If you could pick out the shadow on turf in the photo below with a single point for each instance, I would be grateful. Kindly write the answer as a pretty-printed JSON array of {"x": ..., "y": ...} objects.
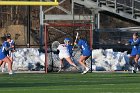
[
  {"x": 64, "y": 81},
  {"x": 10, "y": 85}
]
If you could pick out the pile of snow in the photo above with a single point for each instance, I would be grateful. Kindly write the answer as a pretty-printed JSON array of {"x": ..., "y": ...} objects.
[
  {"x": 109, "y": 60},
  {"x": 102, "y": 60},
  {"x": 27, "y": 58}
]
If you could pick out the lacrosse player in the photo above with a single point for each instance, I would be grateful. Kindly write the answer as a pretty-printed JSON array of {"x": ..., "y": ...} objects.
[
  {"x": 9, "y": 53},
  {"x": 86, "y": 53},
  {"x": 4, "y": 51},
  {"x": 135, "y": 52},
  {"x": 65, "y": 52}
]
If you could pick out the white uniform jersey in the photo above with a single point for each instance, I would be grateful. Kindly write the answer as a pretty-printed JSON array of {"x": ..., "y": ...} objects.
[
  {"x": 63, "y": 51},
  {"x": 11, "y": 44}
]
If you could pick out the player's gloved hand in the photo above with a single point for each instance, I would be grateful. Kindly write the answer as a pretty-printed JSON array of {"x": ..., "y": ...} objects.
[
  {"x": 12, "y": 46},
  {"x": 75, "y": 43},
  {"x": 134, "y": 44},
  {"x": 127, "y": 44},
  {"x": 56, "y": 52},
  {"x": 13, "y": 50}
]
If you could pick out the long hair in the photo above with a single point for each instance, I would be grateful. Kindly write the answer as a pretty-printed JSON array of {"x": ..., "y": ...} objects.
[
  {"x": 3, "y": 38},
  {"x": 81, "y": 37},
  {"x": 136, "y": 34}
]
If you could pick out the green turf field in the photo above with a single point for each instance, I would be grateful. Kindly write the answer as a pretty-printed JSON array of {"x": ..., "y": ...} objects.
[{"x": 70, "y": 83}]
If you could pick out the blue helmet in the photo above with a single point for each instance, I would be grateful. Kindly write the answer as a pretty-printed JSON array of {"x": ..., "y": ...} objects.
[
  {"x": 67, "y": 40},
  {"x": 8, "y": 35}
]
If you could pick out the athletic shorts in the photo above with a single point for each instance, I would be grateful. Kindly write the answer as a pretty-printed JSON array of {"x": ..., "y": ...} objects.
[
  {"x": 135, "y": 52},
  {"x": 61, "y": 56},
  {"x": 86, "y": 53},
  {"x": 2, "y": 55}
]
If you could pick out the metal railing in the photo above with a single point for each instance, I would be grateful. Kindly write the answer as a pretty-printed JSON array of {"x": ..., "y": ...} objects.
[{"x": 129, "y": 6}]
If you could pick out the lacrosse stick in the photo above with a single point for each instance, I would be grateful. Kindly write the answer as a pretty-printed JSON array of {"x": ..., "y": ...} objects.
[{"x": 77, "y": 34}]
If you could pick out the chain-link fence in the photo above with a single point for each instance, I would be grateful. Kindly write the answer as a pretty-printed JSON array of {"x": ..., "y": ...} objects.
[{"x": 113, "y": 38}]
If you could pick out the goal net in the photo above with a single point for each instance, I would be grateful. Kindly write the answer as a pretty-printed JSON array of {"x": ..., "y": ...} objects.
[{"x": 55, "y": 34}]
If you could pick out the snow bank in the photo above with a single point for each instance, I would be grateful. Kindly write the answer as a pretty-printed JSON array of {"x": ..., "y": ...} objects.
[
  {"x": 109, "y": 60},
  {"x": 27, "y": 59},
  {"x": 102, "y": 60}
]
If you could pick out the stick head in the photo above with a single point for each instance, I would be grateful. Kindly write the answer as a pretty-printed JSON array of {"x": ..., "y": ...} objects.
[{"x": 77, "y": 34}]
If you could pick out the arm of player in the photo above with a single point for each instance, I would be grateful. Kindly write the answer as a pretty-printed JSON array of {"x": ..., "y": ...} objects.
[
  {"x": 76, "y": 47},
  {"x": 6, "y": 48}
]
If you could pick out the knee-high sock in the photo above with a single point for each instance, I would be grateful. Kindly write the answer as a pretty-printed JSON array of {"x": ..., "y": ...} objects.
[
  {"x": 132, "y": 64},
  {"x": 136, "y": 66}
]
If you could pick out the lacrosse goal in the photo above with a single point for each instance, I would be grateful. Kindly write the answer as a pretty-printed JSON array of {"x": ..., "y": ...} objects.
[{"x": 57, "y": 32}]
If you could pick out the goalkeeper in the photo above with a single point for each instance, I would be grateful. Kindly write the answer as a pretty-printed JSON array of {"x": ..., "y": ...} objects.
[{"x": 65, "y": 52}]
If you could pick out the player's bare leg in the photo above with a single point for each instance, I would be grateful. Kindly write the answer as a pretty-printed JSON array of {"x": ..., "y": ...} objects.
[
  {"x": 4, "y": 64},
  {"x": 82, "y": 62},
  {"x": 131, "y": 58},
  {"x": 61, "y": 65},
  {"x": 1, "y": 62},
  {"x": 71, "y": 62},
  {"x": 3, "y": 67},
  {"x": 136, "y": 62},
  {"x": 11, "y": 58},
  {"x": 7, "y": 60}
]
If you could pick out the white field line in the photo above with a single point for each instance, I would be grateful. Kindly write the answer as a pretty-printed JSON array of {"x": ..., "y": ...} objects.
[{"x": 54, "y": 89}]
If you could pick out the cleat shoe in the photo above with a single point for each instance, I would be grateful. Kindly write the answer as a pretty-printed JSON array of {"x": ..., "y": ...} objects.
[
  {"x": 137, "y": 69},
  {"x": 3, "y": 70},
  {"x": 87, "y": 69},
  {"x": 11, "y": 73},
  {"x": 84, "y": 72},
  {"x": 59, "y": 70},
  {"x": 133, "y": 71}
]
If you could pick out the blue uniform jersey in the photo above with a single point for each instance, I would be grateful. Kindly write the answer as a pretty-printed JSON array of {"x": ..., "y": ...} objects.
[
  {"x": 135, "y": 46},
  {"x": 70, "y": 49},
  {"x": 3, "y": 51},
  {"x": 85, "y": 47}
]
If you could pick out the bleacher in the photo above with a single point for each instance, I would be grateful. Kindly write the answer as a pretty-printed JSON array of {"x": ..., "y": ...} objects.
[{"x": 129, "y": 9}]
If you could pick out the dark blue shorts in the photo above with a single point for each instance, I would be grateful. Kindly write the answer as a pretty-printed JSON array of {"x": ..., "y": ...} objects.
[
  {"x": 2, "y": 55},
  {"x": 86, "y": 53}
]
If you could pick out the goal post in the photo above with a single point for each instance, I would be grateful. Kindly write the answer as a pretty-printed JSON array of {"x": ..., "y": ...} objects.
[
  {"x": 46, "y": 47},
  {"x": 57, "y": 32},
  {"x": 30, "y": 3}
]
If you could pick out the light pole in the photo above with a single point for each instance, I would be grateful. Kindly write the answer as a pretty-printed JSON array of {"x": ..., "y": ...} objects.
[
  {"x": 28, "y": 25},
  {"x": 41, "y": 26}
]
